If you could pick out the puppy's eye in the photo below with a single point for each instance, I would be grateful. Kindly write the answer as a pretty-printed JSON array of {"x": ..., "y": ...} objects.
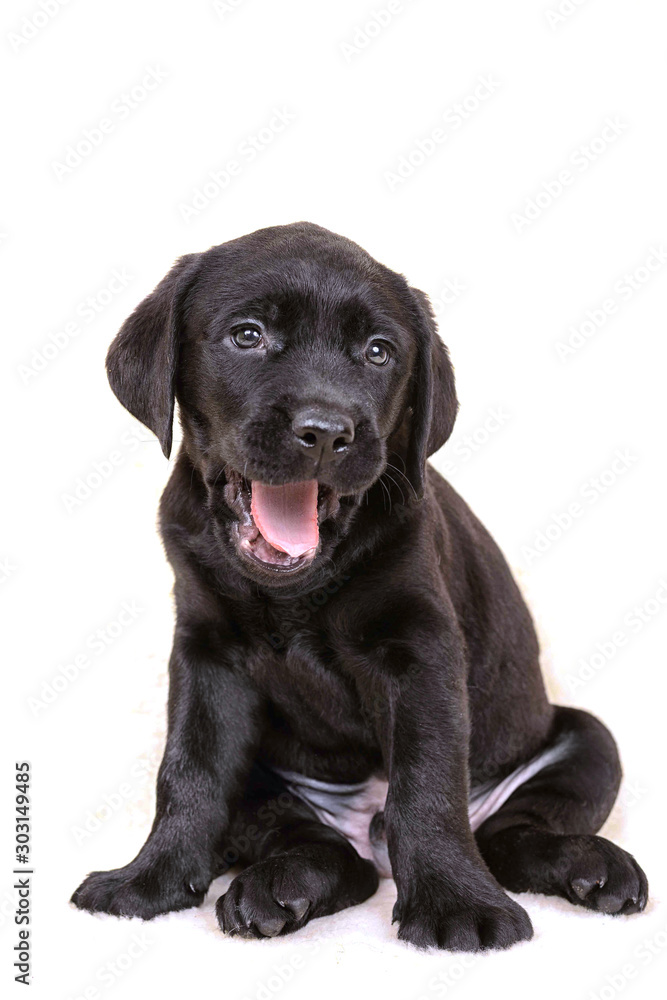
[
  {"x": 378, "y": 352},
  {"x": 247, "y": 336}
]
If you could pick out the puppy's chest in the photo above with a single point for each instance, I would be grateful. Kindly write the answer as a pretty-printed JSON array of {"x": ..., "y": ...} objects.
[{"x": 309, "y": 691}]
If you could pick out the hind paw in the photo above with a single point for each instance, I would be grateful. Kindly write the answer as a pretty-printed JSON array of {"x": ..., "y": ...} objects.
[{"x": 602, "y": 876}]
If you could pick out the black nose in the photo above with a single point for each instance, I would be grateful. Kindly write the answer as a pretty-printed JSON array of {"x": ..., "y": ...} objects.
[{"x": 326, "y": 435}]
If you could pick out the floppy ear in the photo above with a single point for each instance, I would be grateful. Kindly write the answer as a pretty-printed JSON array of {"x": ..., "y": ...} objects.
[
  {"x": 141, "y": 362},
  {"x": 434, "y": 403}
]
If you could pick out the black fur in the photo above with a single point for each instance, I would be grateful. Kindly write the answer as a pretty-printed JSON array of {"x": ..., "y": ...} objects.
[{"x": 402, "y": 648}]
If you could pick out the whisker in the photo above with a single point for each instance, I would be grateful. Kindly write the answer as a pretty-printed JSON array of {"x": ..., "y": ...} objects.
[
  {"x": 399, "y": 457},
  {"x": 218, "y": 475},
  {"x": 396, "y": 485},
  {"x": 386, "y": 490},
  {"x": 390, "y": 466}
]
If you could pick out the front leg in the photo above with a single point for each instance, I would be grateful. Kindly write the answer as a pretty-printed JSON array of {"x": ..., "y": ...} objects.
[
  {"x": 447, "y": 898},
  {"x": 212, "y": 733}
]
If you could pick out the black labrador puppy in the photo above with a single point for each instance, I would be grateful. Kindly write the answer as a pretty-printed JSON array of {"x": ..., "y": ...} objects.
[{"x": 355, "y": 688}]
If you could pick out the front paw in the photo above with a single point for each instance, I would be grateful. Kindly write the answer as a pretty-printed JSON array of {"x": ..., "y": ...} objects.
[
  {"x": 274, "y": 896},
  {"x": 142, "y": 890},
  {"x": 430, "y": 920}
]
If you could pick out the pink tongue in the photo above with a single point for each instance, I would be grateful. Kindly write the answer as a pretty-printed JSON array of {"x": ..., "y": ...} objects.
[{"x": 287, "y": 515}]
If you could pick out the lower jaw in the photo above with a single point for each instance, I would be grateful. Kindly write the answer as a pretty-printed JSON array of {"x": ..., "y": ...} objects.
[{"x": 258, "y": 552}]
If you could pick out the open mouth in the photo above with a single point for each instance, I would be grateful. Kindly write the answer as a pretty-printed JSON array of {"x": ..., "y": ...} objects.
[{"x": 279, "y": 525}]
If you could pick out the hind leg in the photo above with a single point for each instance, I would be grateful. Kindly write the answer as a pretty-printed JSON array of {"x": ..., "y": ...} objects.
[
  {"x": 542, "y": 839},
  {"x": 298, "y": 868}
]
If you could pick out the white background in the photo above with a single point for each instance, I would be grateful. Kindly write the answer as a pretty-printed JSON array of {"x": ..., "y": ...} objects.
[{"x": 359, "y": 104}]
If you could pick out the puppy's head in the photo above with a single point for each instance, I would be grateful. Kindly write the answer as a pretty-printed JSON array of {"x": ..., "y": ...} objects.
[{"x": 302, "y": 369}]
